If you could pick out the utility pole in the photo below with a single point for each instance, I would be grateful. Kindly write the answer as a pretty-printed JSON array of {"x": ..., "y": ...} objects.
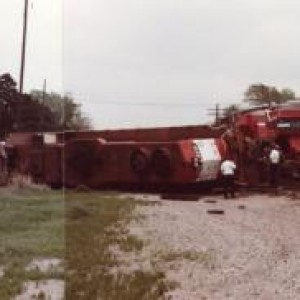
[
  {"x": 43, "y": 102},
  {"x": 44, "y": 90},
  {"x": 23, "y": 47},
  {"x": 217, "y": 114}
]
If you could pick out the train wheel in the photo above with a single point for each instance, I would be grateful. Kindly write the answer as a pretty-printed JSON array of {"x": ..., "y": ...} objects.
[
  {"x": 81, "y": 161},
  {"x": 140, "y": 162},
  {"x": 162, "y": 163}
]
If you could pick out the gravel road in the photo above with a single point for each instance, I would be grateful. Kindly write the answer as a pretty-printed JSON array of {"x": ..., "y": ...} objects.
[{"x": 252, "y": 251}]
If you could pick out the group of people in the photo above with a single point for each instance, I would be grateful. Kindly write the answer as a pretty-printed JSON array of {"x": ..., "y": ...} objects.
[{"x": 228, "y": 170}]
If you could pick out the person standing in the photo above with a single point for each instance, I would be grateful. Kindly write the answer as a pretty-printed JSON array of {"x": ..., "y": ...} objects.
[
  {"x": 274, "y": 170},
  {"x": 228, "y": 169},
  {"x": 3, "y": 155},
  {"x": 3, "y": 163}
]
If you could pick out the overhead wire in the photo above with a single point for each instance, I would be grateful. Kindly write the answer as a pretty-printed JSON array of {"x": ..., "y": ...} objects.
[{"x": 153, "y": 104}]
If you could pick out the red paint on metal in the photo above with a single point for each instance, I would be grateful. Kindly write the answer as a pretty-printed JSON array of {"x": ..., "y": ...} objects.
[{"x": 156, "y": 156}]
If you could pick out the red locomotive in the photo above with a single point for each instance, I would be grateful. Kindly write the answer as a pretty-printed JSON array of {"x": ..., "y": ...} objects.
[
  {"x": 255, "y": 130},
  {"x": 159, "y": 158}
]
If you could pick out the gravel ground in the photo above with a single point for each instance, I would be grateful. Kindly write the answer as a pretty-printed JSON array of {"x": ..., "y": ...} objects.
[{"x": 252, "y": 251}]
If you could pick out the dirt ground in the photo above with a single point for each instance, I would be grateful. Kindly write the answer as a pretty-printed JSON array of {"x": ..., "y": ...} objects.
[{"x": 252, "y": 251}]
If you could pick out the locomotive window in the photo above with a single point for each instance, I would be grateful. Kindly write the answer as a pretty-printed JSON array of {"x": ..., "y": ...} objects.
[{"x": 288, "y": 124}]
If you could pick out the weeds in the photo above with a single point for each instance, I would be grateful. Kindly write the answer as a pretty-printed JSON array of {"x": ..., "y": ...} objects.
[
  {"x": 38, "y": 223},
  {"x": 89, "y": 258},
  {"x": 131, "y": 243}
]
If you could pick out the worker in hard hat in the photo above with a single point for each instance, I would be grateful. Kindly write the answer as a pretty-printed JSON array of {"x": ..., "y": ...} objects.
[{"x": 228, "y": 170}]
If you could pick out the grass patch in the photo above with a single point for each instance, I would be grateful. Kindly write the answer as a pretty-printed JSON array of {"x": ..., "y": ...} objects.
[
  {"x": 94, "y": 222},
  {"x": 131, "y": 243},
  {"x": 78, "y": 227},
  {"x": 31, "y": 225}
]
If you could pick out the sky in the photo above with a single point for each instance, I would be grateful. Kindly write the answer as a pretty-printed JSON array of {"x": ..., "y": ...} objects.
[
  {"x": 146, "y": 63},
  {"x": 44, "y": 51}
]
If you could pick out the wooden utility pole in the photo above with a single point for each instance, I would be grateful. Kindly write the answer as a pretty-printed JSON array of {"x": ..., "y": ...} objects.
[
  {"x": 44, "y": 90},
  {"x": 217, "y": 114},
  {"x": 23, "y": 47}
]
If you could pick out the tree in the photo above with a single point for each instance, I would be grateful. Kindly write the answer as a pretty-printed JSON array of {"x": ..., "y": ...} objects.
[
  {"x": 8, "y": 88},
  {"x": 230, "y": 110},
  {"x": 260, "y": 94},
  {"x": 33, "y": 116},
  {"x": 9, "y": 97},
  {"x": 288, "y": 94},
  {"x": 66, "y": 112},
  {"x": 36, "y": 112}
]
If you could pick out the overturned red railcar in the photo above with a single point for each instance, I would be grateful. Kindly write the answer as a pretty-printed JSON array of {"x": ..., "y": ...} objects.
[
  {"x": 153, "y": 159},
  {"x": 160, "y": 158}
]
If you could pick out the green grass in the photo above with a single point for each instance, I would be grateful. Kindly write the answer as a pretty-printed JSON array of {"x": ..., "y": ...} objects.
[
  {"x": 94, "y": 223},
  {"x": 31, "y": 226},
  {"x": 80, "y": 228},
  {"x": 131, "y": 243}
]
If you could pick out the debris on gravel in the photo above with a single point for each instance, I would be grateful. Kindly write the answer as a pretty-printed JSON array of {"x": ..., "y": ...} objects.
[
  {"x": 210, "y": 201},
  {"x": 216, "y": 211},
  {"x": 241, "y": 207}
]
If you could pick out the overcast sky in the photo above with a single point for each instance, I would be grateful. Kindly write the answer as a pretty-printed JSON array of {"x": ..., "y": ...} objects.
[{"x": 153, "y": 62}]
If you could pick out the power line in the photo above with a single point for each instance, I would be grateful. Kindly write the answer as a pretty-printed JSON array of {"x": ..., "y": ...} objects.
[{"x": 158, "y": 104}]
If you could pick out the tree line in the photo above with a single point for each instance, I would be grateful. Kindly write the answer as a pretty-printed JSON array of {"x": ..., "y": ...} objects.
[
  {"x": 259, "y": 94},
  {"x": 40, "y": 111},
  {"x": 37, "y": 111}
]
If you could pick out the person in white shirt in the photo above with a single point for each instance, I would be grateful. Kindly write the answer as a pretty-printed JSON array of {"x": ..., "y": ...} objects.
[
  {"x": 228, "y": 169},
  {"x": 275, "y": 158},
  {"x": 3, "y": 157},
  {"x": 2, "y": 150}
]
